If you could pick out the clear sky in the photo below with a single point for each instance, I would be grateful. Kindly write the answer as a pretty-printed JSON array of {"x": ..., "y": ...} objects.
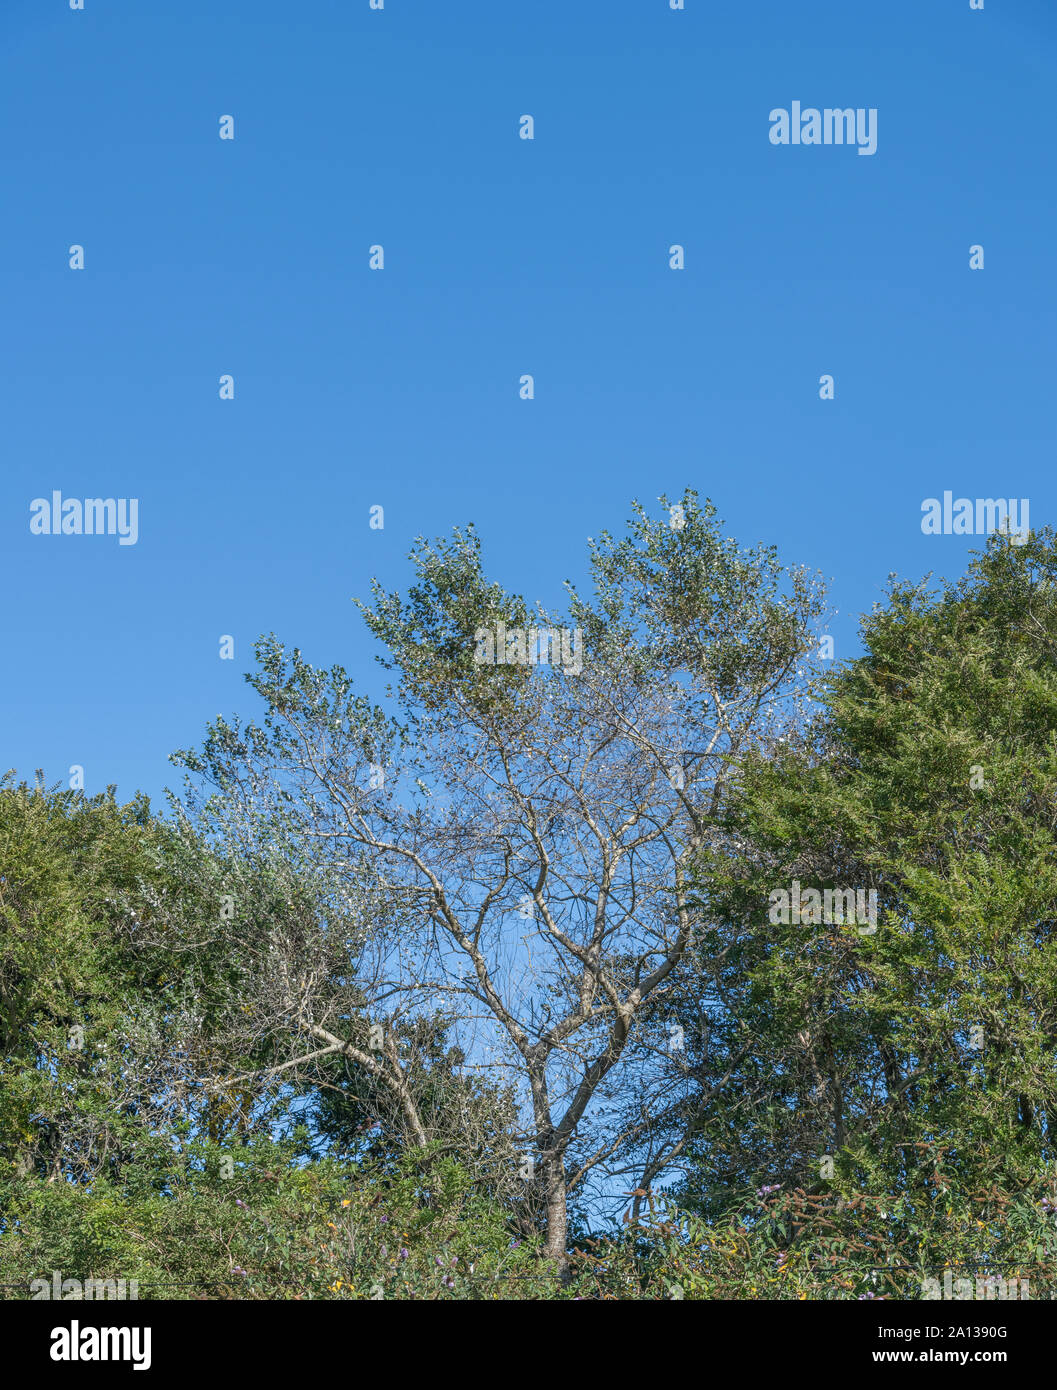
[{"x": 503, "y": 256}]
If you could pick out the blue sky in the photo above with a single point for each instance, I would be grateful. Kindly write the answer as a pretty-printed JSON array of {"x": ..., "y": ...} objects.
[{"x": 399, "y": 388}]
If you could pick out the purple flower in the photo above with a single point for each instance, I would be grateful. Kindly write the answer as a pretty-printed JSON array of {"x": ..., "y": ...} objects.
[
  {"x": 771, "y": 1187},
  {"x": 383, "y": 1219},
  {"x": 440, "y": 1261},
  {"x": 403, "y": 1252},
  {"x": 242, "y": 1204},
  {"x": 239, "y": 1270}
]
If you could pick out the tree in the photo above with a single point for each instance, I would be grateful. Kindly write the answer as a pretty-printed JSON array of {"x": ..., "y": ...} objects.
[
  {"x": 129, "y": 955},
  {"x": 516, "y": 840},
  {"x": 918, "y": 1057},
  {"x": 72, "y": 870}
]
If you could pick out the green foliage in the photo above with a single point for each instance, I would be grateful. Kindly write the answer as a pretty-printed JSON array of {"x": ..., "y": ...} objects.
[
  {"x": 464, "y": 1112},
  {"x": 920, "y": 1059},
  {"x": 678, "y": 598},
  {"x": 429, "y": 636},
  {"x": 70, "y": 902},
  {"x": 787, "y": 1245},
  {"x": 854, "y": 1111},
  {"x": 275, "y": 1228}
]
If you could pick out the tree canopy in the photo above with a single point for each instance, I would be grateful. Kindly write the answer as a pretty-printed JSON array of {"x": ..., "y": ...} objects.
[{"x": 618, "y": 951}]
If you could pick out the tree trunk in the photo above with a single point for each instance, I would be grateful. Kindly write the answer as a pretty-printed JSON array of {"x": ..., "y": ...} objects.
[{"x": 557, "y": 1212}]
